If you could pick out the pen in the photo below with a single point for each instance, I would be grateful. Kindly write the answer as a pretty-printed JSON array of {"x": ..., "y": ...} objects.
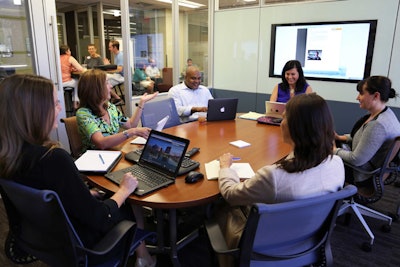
[
  {"x": 234, "y": 159},
  {"x": 101, "y": 158}
]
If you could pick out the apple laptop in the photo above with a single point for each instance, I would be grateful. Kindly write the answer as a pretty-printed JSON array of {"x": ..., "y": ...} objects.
[
  {"x": 222, "y": 109},
  {"x": 273, "y": 113}
]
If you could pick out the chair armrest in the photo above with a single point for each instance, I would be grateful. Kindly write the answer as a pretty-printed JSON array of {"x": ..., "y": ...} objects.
[
  {"x": 217, "y": 239},
  {"x": 358, "y": 169},
  {"x": 111, "y": 239}
]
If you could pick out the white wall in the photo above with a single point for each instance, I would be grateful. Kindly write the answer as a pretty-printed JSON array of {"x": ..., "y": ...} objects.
[{"x": 242, "y": 44}]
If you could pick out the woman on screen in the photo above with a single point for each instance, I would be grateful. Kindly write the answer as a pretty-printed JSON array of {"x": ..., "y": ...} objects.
[
  {"x": 28, "y": 156},
  {"x": 309, "y": 170},
  {"x": 293, "y": 83}
]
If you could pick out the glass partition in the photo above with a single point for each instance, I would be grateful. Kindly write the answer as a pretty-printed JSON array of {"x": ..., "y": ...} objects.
[{"x": 15, "y": 42}]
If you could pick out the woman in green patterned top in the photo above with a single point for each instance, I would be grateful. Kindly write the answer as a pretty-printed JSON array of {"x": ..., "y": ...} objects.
[{"x": 99, "y": 121}]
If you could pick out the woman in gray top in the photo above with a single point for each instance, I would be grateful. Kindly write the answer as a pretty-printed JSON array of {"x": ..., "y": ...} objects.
[{"x": 371, "y": 136}]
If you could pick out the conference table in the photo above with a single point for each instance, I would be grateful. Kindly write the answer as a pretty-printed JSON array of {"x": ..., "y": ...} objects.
[{"x": 213, "y": 139}]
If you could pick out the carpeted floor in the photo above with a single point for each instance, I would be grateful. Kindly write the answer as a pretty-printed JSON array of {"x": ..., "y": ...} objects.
[{"x": 346, "y": 241}]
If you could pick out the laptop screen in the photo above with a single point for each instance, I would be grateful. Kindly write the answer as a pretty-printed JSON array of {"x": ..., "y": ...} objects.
[{"x": 164, "y": 152}]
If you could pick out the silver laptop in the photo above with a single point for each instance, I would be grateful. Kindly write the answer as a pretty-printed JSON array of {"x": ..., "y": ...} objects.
[
  {"x": 158, "y": 164},
  {"x": 273, "y": 113},
  {"x": 222, "y": 109}
]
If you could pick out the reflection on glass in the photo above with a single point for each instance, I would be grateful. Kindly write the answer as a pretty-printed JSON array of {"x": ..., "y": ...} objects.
[
  {"x": 15, "y": 45},
  {"x": 224, "y": 4}
]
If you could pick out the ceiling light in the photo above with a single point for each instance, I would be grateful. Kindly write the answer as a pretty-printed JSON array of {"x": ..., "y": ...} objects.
[{"x": 183, "y": 3}]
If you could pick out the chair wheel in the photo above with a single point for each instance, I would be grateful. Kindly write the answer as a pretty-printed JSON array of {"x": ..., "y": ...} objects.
[
  {"x": 395, "y": 217},
  {"x": 386, "y": 228},
  {"x": 367, "y": 247}
]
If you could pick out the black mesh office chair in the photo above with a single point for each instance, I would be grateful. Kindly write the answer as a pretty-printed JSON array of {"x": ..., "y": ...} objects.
[
  {"x": 40, "y": 229},
  {"x": 356, "y": 204}
]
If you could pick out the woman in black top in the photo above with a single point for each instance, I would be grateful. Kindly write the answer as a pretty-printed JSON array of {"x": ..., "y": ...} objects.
[{"x": 30, "y": 108}]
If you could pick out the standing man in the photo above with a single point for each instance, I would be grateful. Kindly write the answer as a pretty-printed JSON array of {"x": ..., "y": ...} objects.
[
  {"x": 190, "y": 97},
  {"x": 116, "y": 76}
]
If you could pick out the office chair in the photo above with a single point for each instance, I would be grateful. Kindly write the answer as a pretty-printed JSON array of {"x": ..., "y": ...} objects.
[
  {"x": 74, "y": 138},
  {"x": 294, "y": 233},
  {"x": 378, "y": 176},
  {"x": 40, "y": 228},
  {"x": 156, "y": 109}
]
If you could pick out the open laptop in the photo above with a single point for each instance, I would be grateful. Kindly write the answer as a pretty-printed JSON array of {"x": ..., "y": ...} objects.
[
  {"x": 222, "y": 109},
  {"x": 158, "y": 163},
  {"x": 273, "y": 113}
]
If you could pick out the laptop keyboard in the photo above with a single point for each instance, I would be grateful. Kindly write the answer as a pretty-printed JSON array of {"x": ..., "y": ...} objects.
[{"x": 149, "y": 178}]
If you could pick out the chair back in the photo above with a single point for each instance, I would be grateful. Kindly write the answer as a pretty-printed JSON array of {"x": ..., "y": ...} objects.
[
  {"x": 40, "y": 225},
  {"x": 379, "y": 175},
  {"x": 74, "y": 138},
  {"x": 156, "y": 109},
  {"x": 294, "y": 233}
]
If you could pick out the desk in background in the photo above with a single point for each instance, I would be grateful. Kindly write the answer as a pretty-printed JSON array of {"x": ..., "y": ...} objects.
[{"x": 213, "y": 139}]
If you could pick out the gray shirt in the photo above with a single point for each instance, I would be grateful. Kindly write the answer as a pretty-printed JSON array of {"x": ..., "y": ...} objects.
[{"x": 371, "y": 142}]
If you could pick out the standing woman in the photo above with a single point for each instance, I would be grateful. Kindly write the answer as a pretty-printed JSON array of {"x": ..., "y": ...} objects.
[
  {"x": 293, "y": 83},
  {"x": 99, "y": 121},
  {"x": 28, "y": 156},
  {"x": 372, "y": 135}
]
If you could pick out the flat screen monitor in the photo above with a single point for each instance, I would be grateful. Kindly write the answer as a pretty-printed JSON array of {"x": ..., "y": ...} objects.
[{"x": 337, "y": 51}]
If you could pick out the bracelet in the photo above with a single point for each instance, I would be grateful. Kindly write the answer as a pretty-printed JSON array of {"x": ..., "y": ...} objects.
[
  {"x": 139, "y": 106},
  {"x": 126, "y": 134}
]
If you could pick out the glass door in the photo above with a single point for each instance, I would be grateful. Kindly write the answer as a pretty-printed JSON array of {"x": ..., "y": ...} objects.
[{"x": 15, "y": 42}]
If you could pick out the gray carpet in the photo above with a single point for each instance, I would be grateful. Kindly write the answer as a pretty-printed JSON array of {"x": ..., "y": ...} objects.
[{"x": 346, "y": 241}]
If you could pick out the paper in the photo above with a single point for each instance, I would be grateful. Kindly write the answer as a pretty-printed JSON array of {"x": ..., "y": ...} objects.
[
  {"x": 160, "y": 126},
  {"x": 97, "y": 161},
  {"x": 243, "y": 170},
  {"x": 139, "y": 141},
  {"x": 240, "y": 143},
  {"x": 251, "y": 116}
]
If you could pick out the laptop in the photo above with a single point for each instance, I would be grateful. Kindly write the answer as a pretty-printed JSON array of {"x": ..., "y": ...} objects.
[
  {"x": 220, "y": 109},
  {"x": 106, "y": 67},
  {"x": 273, "y": 113},
  {"x": 158, "y": 164}
]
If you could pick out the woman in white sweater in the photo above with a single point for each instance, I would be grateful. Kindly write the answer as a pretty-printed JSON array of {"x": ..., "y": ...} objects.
[{"x": 309, "y": 170}]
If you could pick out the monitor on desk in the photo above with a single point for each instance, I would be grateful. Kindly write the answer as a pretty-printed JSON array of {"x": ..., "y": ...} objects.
[{"x": 106, "y": 67}]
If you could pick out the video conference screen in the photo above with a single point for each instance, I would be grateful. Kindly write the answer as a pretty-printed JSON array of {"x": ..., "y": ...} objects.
[{"x": 337, "y": 51}]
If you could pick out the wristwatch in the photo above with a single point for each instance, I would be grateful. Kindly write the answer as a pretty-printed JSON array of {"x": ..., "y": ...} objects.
[{"x": 125, "y": 132}]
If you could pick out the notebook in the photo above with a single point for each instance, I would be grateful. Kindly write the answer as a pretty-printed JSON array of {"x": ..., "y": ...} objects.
[
  {"x": 158, "y": 164},
  {"x": 273, "y": 113},
  {"x": 98, "y": 161},
  {"x": 222, "y": 109}
]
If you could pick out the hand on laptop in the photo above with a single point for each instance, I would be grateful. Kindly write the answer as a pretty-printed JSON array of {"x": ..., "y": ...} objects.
[
  {"x": 142, "y": 131},
  {"x": 129, "y": 183},
  {"x": 198, "y": 109}
]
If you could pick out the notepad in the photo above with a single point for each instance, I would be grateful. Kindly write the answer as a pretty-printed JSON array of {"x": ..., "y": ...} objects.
[
  {"x": 244, "y": 170},
  {"x": 240, "y": 143},
  {"x": 98, "y": 161},
  {"x": 251, "y": 116}
]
